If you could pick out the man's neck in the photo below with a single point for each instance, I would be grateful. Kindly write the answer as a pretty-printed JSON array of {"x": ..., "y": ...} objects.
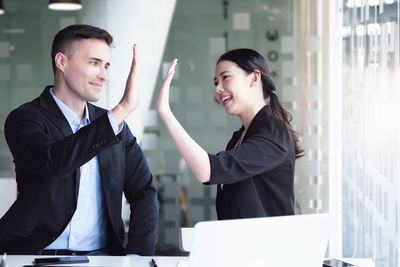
[{"x": 76, "y": 104}]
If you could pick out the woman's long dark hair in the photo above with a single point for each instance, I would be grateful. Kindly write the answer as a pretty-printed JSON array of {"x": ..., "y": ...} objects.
[{"x": 249, "y": 61}]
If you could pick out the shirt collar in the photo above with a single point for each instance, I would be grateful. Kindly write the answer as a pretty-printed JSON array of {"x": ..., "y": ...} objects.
[{"x": 71, "y": 117}]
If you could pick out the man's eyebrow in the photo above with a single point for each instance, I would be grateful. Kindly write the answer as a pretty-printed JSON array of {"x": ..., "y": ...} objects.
[{"x": 99, "y": 60}]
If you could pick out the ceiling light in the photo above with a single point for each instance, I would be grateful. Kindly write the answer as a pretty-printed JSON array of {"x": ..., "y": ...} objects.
[
  {"x": 1, "y": 7},
  {"x": 65, "y": 5}
]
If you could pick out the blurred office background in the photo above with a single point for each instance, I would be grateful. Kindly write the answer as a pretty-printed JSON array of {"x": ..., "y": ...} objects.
[{"x": 336, "y": 65}]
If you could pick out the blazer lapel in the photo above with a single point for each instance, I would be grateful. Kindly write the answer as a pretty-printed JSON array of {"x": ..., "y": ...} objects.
[
  {"x": 235, "y": 137},
  {"x": 57, "y": 117},
  {"x": 104, "y": 158},
  {"x": 258, "y": 118},
  {"x": 54, "y": 112}
]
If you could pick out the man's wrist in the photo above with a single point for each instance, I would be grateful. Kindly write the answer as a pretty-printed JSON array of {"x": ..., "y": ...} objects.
[{"x": 120, "y": 113}]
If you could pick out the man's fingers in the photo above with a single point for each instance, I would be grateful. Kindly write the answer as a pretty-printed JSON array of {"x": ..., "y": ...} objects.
[
  {"x": 134, "y": 57},
  {"x": 135, "y": 52}
]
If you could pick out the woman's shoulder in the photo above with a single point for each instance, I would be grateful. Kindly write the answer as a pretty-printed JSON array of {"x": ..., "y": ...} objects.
[{"x": 267, "y": 123}]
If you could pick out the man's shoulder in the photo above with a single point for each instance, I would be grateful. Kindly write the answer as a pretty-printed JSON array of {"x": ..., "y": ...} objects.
[
  {"x": 96, "y": 110},
  {"x": 36, "y": 102},
  {"x": 35, "y": 109},
  {"x": 31, "y": 108}
]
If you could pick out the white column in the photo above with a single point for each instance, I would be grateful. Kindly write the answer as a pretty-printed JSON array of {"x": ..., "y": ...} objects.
[{"x": 145, "y": 23}]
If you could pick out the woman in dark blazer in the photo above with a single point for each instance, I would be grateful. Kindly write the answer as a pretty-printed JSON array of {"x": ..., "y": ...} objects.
[{"x": 256, "y": 171}]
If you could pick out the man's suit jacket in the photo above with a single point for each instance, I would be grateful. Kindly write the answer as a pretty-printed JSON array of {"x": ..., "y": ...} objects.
[{"x": 47, "y": 157}]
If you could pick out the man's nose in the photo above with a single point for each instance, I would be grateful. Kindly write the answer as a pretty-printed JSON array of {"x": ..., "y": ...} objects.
[{"x": 103, "y": 74}]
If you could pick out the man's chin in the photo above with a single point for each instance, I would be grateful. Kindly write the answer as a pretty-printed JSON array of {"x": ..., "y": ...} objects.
[{"x": 93, "y": 99}]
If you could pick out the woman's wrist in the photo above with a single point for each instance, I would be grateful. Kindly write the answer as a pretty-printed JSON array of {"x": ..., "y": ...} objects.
[{"x": 165, "y": 113}]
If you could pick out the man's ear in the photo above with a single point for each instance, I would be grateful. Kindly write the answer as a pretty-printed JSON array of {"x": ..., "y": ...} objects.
[
  {"x": 255, "y": 77},
  {"x": 60, "y": 60}
]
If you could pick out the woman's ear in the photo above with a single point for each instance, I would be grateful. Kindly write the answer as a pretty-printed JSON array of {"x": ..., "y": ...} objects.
[
  {"x": 60, "y": 60},
  {"x": 255, "y": 77}
]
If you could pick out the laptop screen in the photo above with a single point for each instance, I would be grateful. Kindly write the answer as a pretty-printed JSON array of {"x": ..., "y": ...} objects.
[{"x": 284, "y": 241}]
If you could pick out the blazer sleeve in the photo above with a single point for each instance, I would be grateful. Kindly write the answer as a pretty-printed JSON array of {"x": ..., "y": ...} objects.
[
  {"x": 257, "y": 154},
  {"x": 34, "y": 147},
  {"x": 141, "y": 194}
]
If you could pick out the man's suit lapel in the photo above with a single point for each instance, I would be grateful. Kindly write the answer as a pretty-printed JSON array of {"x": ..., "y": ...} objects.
[
  {"x": 54, "y": 112},
  {"x": 57, "y": 117},
  {"x": 104, "y": 158}
]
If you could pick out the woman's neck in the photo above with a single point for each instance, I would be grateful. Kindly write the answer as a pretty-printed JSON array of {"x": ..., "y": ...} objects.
[{"x": 248, "y": 116}]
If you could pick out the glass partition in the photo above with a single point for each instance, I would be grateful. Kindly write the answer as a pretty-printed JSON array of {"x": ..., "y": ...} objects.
[{"x": 370, "y": 128}]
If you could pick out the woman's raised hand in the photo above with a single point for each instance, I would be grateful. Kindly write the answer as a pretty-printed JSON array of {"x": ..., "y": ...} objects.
[
  {"x": 196, "y": 157},
  {"x": 163, "y": 99}
]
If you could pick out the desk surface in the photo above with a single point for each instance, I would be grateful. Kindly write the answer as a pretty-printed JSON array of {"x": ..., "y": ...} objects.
[
  {"x": 110, "y": 261},
  {"x": 127, "y": 261}
]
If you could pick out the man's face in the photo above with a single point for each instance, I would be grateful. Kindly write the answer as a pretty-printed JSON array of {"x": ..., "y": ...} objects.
[{"x": 85, "y": 69}]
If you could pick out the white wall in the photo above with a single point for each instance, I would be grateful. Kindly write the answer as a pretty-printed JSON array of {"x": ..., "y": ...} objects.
[{"x": 145, "y": 23}]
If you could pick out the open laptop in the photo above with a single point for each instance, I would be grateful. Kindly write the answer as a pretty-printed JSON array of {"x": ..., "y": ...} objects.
[{"x": 285, "y": 241}]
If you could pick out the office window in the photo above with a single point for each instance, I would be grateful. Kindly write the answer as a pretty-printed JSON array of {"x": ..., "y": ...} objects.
[{"x": 370, "y": 129}]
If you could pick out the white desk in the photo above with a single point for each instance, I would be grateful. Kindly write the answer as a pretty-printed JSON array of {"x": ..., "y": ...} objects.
[
  {"x": 119, "y": 261},
  {"x": 110, "y": 261}
]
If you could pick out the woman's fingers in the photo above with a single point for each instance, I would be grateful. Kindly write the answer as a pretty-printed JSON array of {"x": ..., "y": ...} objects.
[
  {"x": 170, "y": 74},
  {"x": 163, "y": 99}
]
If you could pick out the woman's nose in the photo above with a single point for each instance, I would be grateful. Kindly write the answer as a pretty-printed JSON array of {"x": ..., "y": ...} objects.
[{"x": 218, "y": 89}]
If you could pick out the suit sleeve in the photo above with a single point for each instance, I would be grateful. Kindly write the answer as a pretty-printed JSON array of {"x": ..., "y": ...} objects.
[
  {"x": 257, "y": 154},
  {"x": 141, "y": 194},
  {"x": 34, "y": 149}
]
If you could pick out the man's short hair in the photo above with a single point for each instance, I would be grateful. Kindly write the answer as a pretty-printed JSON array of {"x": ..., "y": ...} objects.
[{"x": 64, "y": 38}]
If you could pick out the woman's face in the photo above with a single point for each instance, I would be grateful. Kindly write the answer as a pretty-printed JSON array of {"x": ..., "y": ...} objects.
[{"x": 232, "y": 87}]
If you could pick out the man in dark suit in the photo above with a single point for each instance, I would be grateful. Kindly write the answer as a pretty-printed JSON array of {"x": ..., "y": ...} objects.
[{"x": 73, "y": 161}]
